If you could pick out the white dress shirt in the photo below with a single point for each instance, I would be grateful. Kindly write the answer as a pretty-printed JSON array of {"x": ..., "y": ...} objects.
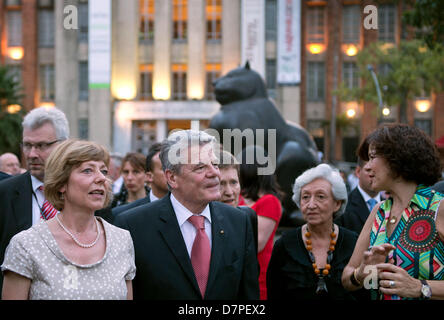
[
  {"x": 36, "y": 203},
  {"x": 367, "y": 197},
  {"x": 152, "y": 196},
  {"x": 187, "y": 229}
]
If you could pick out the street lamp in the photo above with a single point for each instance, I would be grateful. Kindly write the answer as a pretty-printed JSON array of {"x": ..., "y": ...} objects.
[{"x": 422, "y": 104}]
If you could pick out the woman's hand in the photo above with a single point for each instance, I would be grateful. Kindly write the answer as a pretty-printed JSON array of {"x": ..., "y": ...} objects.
[
  {"x": 376, "y": 255},
  {"x": 395, "y": 280}
]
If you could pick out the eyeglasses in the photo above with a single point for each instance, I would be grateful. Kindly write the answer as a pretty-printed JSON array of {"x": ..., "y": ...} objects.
[{"x": 40, "y": 146}]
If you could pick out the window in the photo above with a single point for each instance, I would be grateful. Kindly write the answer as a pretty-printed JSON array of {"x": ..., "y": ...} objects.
[
  {"x": 214, "y": 19},
  {"x": 83, "y": 129},
  {"x": 425, "y": 125},
  {"x": 83, "y": 81},
  {"x": 146, "y": 82},
  {"x": 46, "y": 28},
  {"x": 47, "y": 86},
  {"x": 271, "y": 20},
  {"x": 350, "y": 75},
  {"x": 14, "y": 28},
  {"x": 16, "y": 72},
  {"x": 179, "y": 82},
  {"x": 316, "y": 25},
  {"x": 180, "y": 15},
  {"x": 387, "y": 23},
  {"x": 351, "y": 24},
  {"x": 315, "y": 81},
  {"x": 146, "y": 30},
  {"x": 270, "y": 77},
  {"x": 83, "y": 22},
  {"x": 213, "y": 71}
]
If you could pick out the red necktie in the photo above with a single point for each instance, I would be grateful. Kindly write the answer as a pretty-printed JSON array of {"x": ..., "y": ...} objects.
[
  {"x": 48, "y": 211},
  {"x": 200, "y": 253}
]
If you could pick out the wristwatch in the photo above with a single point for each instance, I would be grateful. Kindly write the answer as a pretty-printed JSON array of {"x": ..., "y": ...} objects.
[{"x": 426, "y": 291}]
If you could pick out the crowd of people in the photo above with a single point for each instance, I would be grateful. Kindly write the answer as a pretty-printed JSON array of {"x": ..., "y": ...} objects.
[{"x": 190, "y": 221}]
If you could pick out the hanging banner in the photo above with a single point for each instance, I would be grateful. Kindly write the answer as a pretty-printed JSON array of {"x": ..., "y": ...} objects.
[
  {"x": 253, "y": 35},
  {"x": 289, "y": 42},
  {"x": 99, "y": 43}
]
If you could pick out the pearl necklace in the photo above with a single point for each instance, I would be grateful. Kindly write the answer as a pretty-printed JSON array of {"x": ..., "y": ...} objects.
[{"x": 75, "y": 239}]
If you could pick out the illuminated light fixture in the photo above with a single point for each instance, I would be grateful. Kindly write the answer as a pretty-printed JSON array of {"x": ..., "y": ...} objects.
[
  {"x": 161, "y": 92},
  {"x": 15, "y": 53},
  {"x": 350, "y": 50},
  {"x": 13, "y": 108},
  {"x": 351, "y": 113},
  {"x": 47, "y": 105},
  {"x": 196, "y": 93},
  {"x": 422, "y": 105},
  {"x": 386, "y": 111},
  {"x": 316, "y": 48},
  {"x": 125, "y": 93}
]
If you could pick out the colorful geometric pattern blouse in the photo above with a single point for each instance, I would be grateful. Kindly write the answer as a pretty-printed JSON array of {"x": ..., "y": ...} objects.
[{"x": 419, "y": 250}]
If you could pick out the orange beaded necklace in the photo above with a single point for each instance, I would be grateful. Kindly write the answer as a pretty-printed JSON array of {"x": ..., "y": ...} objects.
[{"x": 321, "y": 286}]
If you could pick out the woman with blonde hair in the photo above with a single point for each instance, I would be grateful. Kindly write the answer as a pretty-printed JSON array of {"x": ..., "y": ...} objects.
[{"x": 75, "y": 255}]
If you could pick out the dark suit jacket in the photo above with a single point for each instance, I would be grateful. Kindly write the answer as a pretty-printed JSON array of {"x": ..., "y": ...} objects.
[
  {"x": 356, "y": 212},
  {"x": 119, "y": 209},
  {"x": 4, "y": 175},
  {"x": 164, "y": 269},
  {"x": 15, "y": 210}
]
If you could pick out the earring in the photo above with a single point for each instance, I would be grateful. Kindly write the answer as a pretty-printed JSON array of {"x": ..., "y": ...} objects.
[{"x": 62, "y": 196}]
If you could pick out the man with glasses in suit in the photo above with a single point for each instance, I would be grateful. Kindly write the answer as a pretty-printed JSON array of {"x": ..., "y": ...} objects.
[{"x": 22, "y": 197}]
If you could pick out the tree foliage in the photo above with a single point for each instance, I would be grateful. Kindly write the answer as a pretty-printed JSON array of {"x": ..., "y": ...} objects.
[
  {"x": 10, "y": 123},
  {"x": 405, "y": 72}
]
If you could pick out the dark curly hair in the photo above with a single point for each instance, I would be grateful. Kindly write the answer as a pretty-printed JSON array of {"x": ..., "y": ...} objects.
[{"x": 409, "y": 152}]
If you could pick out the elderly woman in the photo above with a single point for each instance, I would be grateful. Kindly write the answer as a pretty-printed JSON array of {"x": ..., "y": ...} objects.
[
  {"x": 75, "y": 255},
  {"x": 307, "y": 262},
  {"x": 402, "y": 242}
]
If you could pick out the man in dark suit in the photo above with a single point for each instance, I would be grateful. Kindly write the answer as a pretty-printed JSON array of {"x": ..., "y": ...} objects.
[
  {"x": 361, "y": 200},
  {"x": 21, "y": 197},
  {"x": 155, "y": 178},
  {"x": 178, "y": 257},
  {"x": 4, "y": 175}
]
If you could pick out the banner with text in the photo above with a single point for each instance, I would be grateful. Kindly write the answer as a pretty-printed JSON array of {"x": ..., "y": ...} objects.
[
  {"x": 289, "y": 42},
  {"x": 99, "y": 43},
  {"x": 253, "y": 34}
]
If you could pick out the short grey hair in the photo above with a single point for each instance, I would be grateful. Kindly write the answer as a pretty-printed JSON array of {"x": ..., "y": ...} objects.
[
  {"x": 39, "y": 116},
  {"x": 322, "y": 171},
  {"x": 174, "y": 149}
]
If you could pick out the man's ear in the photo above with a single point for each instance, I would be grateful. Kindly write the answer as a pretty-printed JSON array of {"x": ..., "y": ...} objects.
[
  {"x": 149, "y": 177},
  {"x": 171, "y": 178}
]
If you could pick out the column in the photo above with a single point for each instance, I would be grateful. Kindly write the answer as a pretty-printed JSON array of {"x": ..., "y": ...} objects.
[
  {"x": 162, "y": 50},
  {"x": 30, "y": 62},
  {"x": 66, "y": 66},
  {"x": 196, "y": 49},
  {"x": 231, "y": 33},
  {"x": 125, "y": 62}
]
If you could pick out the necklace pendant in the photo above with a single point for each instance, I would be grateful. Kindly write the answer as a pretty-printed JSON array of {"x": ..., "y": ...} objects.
[
  {"x": 321, "y": 286},
  {"x": 392, "y": 220}
]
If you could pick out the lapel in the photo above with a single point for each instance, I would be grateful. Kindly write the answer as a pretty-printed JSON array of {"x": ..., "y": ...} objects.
[
  {"x": 171, "y": 233},
  {"x": 360, "y": 203},
  {"x": 217, "y": 246},
  {"x": 21, "y": 202}
]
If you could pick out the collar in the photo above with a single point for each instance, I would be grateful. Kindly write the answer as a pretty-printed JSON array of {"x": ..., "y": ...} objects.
[
  {"x": 367, "y": 197},
  {"x": 421, "y": 196},
  {"x": 183, "y": 213},
  {"x": 36, "y": 183},
  {"x": 152, "y": 196}
]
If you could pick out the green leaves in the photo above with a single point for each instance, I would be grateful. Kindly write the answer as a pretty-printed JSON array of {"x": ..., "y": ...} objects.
[{"x": 10, "y": 123}]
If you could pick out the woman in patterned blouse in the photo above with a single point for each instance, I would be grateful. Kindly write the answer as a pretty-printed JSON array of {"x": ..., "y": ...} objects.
[{"x": 400, "y": 250}]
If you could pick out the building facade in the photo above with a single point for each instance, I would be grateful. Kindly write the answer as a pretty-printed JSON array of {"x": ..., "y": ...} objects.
[{"x": 163, "y": 55}]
